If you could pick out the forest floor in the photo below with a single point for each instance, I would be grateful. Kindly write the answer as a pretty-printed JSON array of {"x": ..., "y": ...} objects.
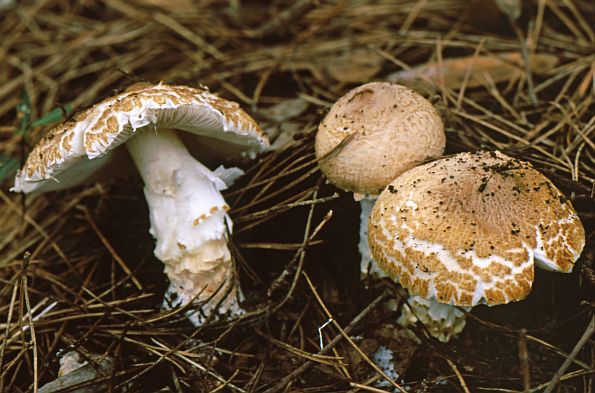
[{"x": 504, "y": 75}]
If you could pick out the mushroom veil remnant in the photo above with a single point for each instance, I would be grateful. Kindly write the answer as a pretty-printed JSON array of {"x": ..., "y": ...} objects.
[
  {"x": 188, "y": 214},
  {"x": 370, "y": 136},
  {"x": 468, "y": 229}
]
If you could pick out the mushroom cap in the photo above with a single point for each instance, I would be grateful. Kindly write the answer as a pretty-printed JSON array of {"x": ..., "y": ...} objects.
[
  {"x": 84, "y": 145},
  {"x": 390, "y": 129},
  {"x": 467, "y": 229}
]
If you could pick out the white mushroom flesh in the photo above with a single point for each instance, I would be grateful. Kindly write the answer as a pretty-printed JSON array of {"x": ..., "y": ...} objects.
[
  {"x": 189, "y": 221},
  {"x": 368, "y": 267}
]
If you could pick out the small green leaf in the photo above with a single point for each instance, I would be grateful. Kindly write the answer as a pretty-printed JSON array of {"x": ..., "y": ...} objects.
[
  {"x": 52, "y": 116},
  {"x": 8, "y": 166},
  {"x": 24, "y": 111}
]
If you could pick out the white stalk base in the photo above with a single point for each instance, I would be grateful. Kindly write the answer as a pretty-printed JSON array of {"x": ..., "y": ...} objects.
[
  {"x": 368, "y": 266},
  {"x": 189, "y": 222},
  {"x": 442, "y": 321}
]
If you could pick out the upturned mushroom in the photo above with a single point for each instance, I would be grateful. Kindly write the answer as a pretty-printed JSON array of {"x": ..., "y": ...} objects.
[
  {"x": 188, "y": 214},
  {"x": 469, "y": 229},
  {"x": 370, "y": 136}
]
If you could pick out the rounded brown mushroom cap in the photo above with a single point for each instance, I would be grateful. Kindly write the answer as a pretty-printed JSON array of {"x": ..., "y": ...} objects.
[
  {"x": 466, "y": 229},
  {"x": 390, "y": 129},
  {"x": 77, "y": 148}
]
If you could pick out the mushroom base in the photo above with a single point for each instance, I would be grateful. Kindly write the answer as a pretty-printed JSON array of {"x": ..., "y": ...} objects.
[
  {"x": 442, "y": 321},
  {"x": 209, "y": 284}
]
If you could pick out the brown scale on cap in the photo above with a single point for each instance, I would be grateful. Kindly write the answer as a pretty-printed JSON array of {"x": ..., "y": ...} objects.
[
  {"x": 52, "y": 149},
  {"x": 466, "y": 229},
  {"x": 101, "y": 128},
  {"x": 392, "y": 129}
]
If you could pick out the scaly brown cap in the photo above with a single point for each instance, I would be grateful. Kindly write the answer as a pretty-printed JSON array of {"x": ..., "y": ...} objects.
[
  {"x": 466, "y": 229},
  {"x": 390, "y": 129},
  {"x": 79, "y": 147}
]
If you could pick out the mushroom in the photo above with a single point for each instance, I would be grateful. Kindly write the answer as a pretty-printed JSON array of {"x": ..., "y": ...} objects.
[
  {"x": 370, "y": 136},
  {"x": 188, "y": 214},
  {"x": 468, "y": 229}
]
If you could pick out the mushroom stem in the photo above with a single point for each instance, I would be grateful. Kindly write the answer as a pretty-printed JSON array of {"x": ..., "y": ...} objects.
[
  {"x": 443, "y": 321},
  {"x": 368, "y": 267},
  {"x": 188, "y": 220}
]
